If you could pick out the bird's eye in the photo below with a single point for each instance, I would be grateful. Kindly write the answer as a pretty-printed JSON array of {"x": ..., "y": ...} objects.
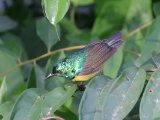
[{"x": 54, "y": 70}]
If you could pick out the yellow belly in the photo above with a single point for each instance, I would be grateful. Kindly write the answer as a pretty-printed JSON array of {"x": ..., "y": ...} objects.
[{"x": 84, "y": 77}]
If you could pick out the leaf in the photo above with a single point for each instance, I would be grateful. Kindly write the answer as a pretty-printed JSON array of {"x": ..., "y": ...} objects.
[
  {"x": 55, "y": 10},
  {"x": 55, "y": 81},
  {"x": 149, "y": 107},
  {"x": 70, "y": 27},
  {"x": 34, "y": 104},
  {"x": 156, "y": 8},
  {"x": 25, "y": 103},
  {"x": 73, "y": 103},
  {"x": 46, "y": 32},
  {"x": 152, "y": 41},
  {"x": 65, "y": 113},
  {"x": 3, "y": 89},
  {"x": 51, "y": 61},
  {"x": 36, "y": 78},
  {"x": 56, "y": 98},
  {"x": 82, "y": 2},
  {"x": 13, "y": 44},
  {"x": 138, "y": 12},
  {"x": 108, "y": 25},
  {"x": 156, "y": 59},
  {"x": 7, "y": 23},
  {"x": 94, "y": 97},
  {"x": 13, "y": 81},
  {"x": 5, "y": 109},
  {"x": 106, "y": 99},
  {"x": 111, "y": 66}
]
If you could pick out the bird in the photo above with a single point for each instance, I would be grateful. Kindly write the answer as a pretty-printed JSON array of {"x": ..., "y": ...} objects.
[{"x": 87, "y": 62}]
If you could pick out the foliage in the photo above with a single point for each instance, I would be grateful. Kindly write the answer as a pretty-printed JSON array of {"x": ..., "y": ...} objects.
[{"x": 35, "y": 34}]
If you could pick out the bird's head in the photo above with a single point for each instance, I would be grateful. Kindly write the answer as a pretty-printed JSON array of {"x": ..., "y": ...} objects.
[{"x": 54, "y": 72}]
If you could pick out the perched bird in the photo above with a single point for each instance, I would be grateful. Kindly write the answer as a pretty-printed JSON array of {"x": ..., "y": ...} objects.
[{"x": 87, "y": 62}]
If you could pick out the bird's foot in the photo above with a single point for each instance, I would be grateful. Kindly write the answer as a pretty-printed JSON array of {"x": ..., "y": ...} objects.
[{"x": 81, "y": 86}]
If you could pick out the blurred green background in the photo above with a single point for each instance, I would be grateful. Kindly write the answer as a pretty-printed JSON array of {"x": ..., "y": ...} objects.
[{"x": 25, "y": 33}]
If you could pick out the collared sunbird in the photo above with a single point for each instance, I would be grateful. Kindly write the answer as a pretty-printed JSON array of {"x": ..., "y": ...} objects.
[{"x": 85, "y": 63}]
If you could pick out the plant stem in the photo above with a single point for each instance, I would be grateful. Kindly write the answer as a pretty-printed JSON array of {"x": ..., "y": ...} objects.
[
  {"x": 67, "y": 49},
  {"x": 39, "y": 58},
  {"x": 138, "y": 29}
]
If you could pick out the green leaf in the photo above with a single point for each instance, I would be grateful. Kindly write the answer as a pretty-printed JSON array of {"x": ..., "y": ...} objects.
[
  {"x": 93, "y": 98},
  {"x": 13, "y": 81},
  {"x": 104, "y": 23},
  {"x": 55, "y": 10},
  {"x": 46, "y": 32},
  {"x": 70, "y": 27},
  {"x": 35, "y": 104},
  {"x": 156, "y": 8},
  {"x": 111, "y": 66},
  {"x": 51, "y": 61},
  {"x": 73, "y": 103},
  {"x": 65, "y": 113},
  {"x": 6, "y": 23},
  {"x": 149, "y": 107},
  {"x": 156, "y": 59},
  {"x": 55, "y": 81},
  {"x": 25, "y": 103},
  {"x": 5, "y": 109},
  {"x": 82, "y": 2},
  {"x": 106, "y": 99},
  {"x": 36, "y": 78},
  {"x": 13, "y": 44},
  {"x": 151, "y": 44},
  {"x": 138, "y": 12}
]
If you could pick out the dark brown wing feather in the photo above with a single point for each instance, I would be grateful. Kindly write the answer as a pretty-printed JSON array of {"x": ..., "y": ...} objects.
[
  {"x": 99, "y": 52},
  {"x": 97, "y": 55}
]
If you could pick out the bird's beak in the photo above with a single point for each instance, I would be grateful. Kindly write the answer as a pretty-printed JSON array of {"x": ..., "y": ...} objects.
[{"x": 49, "y": 76}]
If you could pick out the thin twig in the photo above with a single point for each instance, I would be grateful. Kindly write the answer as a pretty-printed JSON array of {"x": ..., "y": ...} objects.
[
  {"x": 39, "y": 58},
  {"x": 66, "y": 49},
  {"x": 139, "y": 29},
  {"x": 152, "y": 70},
  {"x": 132, "y": 52}
]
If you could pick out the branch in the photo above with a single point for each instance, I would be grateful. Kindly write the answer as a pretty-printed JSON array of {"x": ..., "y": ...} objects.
[
  {"x": 39, "y": 58},
  {"x": 68, "y": 49},
  {"x": 139, "y": 29}
]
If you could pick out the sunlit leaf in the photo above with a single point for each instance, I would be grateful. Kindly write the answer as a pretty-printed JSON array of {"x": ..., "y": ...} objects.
[{"x": 55, "y": 10}]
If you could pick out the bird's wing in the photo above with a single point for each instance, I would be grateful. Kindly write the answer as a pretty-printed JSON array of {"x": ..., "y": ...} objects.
[{"x": 97, "y": 54}]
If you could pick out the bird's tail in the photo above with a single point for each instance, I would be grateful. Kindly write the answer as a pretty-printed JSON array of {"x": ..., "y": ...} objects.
[{"x": 115, "y": 40}]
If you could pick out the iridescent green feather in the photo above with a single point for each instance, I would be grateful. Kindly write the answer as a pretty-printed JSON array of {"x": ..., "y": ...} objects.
[{"x": 73, "y": 64}]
